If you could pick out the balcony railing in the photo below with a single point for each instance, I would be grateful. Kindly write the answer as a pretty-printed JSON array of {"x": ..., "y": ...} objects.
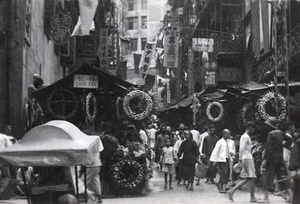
[{"x": 266, "y": 64}]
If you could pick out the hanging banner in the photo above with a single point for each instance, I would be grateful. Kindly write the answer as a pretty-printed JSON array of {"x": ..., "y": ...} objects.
[
  {"x": 103, "y": 49},
  {"x": 147, "y": 56},
  {"x": 171, "y": 47},
  {"x": 210, "y": 74},
  {"x": 136, "y": 60},
  {"x": 202, "y": 45}
]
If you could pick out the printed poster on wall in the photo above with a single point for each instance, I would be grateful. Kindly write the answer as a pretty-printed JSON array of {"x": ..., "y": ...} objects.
[{"x": 172, "y": 35}]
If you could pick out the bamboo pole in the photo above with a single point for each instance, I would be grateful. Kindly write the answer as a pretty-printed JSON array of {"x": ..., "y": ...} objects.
[
  {"x": 286, "y": 59},
  {"x": 275, "y": 57}
]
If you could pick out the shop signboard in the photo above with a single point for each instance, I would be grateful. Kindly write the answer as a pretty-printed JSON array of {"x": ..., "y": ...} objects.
[
  {"x": 171, "y": 46},
  {"x": 86, "y": 81},
  {"x": 231, "y": 74},
  {"x": 202, "y": 45},
  {"x": 210, "y": 74}
]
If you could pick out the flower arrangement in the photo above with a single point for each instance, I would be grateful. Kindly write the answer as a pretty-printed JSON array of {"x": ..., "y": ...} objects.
[
  {"x": 141, "y": 98},
  {"x": 266, "y": 106},
  {"x": 90, "y": 97},
  {"x": 220, "y": 113},
  {"x": 110, "y": 144},
  {"x": 62, "y": 104},
  {"x": 195, "y": 107},
  {"x": 128, "y": 176}
]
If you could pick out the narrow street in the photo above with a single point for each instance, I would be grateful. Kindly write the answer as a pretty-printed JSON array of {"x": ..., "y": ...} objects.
[{"x": 206, "y": 193}]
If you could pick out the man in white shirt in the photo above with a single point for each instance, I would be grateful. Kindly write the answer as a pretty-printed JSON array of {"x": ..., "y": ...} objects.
[
  {"x": 151, "y": 133},
  {"x": 143, "y": 136},
  {"x": 201, "y": 138},
  {"x": 246, "y": 161},
  {"x": 196, "y": 135},
  {"x": 220, "y": 155}
]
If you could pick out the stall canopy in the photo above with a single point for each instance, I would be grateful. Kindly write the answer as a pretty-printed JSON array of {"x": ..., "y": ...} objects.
[
  {"x": 251, "y": 86},
  {"x": 56, "y": 143}
]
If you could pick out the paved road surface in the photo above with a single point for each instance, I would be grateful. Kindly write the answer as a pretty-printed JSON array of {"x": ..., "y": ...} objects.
[{"x": 204, "y": 194}]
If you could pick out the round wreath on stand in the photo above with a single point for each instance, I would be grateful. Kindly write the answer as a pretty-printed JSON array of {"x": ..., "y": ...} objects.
[
  {"x": 249, "y": 113},
  {"x": 195, "y": 108},
  {"x": 137, "y": 105},
  {"x": 88, "y": 106},
  {"x": 267, "y": 107},
  {"x": 127, "y": 177},
  {"x": 62, "y": 104},
  {"x": 120, "y": 115},
  {"x": 218, "y": 108}
]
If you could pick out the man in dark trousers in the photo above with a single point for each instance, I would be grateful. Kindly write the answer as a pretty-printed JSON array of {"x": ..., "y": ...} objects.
[
  {"x": 273, "y": 158},
  {"x": 190, "y": 152},
  {"x": 295, "y": 166}
]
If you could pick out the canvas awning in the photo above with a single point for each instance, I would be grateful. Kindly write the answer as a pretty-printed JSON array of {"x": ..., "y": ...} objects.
[
  {"x": 56, "y": 143},
  {"x": 250, "y": 86}
]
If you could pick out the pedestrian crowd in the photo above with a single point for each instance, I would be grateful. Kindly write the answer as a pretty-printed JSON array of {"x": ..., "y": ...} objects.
[{"x": 188, "y": 155}]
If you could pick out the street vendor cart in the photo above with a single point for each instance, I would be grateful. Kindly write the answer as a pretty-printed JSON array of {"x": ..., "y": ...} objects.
[{"x": 57, "y": 143}]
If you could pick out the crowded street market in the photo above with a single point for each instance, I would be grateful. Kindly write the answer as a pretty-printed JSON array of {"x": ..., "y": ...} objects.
[{"x": 149, "y": 101}]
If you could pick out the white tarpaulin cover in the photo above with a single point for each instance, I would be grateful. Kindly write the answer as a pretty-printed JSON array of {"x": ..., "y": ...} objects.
[{"x": 56, "y": 143}]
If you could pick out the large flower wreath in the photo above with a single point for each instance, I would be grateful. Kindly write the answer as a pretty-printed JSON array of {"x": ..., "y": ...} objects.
[
  {"x": 249, "y": 113},
  {"x": 128, "y": 176},
  {"x": 141, "y": 96},
  {"x": 267, "y": 105},
  {"x": 220, "y": 112},
  {"x": 90, "y": 97}
]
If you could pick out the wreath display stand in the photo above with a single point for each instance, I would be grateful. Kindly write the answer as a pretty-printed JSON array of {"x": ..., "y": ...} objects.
[
  {"x": 90, "y": 103},
  {"x": 248, "y": 113},
  {"x": 195, "y": 108},
  {"x": 209, "y": 109},
  {"x": 267, "y": 102},
  {"x": 62, "y": 104},
  {"x": 128, "y": 177},
  {"x": 140, "y": 96}
]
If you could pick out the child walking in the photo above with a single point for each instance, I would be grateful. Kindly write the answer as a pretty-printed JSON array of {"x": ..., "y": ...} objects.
[{"x": 168, "y": 159}]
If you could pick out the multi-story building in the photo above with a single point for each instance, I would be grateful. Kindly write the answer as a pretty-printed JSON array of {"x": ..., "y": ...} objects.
[
  {"x": 248, "y": 36},
  {"x": 142, "y": 20}
]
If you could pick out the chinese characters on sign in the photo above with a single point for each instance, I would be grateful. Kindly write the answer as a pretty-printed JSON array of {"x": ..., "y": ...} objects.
[
  {"x": 103, "y": 50},
  {"x": 85, "y": 81},
  {"x": 172, "y": 35},
  {"x": 61, "y": 33},
  {"x": 147, "y": 56},
  {"x": 203, "y": 45},
  {"x": 210, "y": 74}
]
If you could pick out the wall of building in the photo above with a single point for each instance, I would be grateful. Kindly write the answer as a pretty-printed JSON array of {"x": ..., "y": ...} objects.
[{"x": 29, "y": 52}]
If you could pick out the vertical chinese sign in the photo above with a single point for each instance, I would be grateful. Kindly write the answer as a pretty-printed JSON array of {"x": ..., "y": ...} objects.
[
  {"x": 147, "y": 56},
  {"x": 103, "y": 49},
  {"x": 172, "y": 35},
  {"x": 210, "y": 74}
]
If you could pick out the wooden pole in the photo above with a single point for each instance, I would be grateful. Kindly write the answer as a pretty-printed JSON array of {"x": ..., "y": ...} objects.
[
  {"x": 286, "y": 59},
  {"x": 275, "y": 57},
  {"x": 26, "y": 186},
  {"x": 190, "y": 71}
]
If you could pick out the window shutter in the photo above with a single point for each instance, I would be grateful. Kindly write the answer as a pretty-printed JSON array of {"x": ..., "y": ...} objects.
[{"x": 49, "y": 12}]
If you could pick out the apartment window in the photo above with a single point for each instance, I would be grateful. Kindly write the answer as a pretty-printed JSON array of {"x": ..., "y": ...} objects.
[
  {"x": 132, "y": 5},
  {"x": 134, "y": 44},
  {"x": 133, "y": 23},
  {"x": 144, "y": 41},
  {"x": 144, "y": 4},
  {"x": 144, "y": 22}
]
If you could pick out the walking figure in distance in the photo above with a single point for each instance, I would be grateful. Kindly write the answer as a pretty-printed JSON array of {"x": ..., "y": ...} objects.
[
  {"x": 246, "y": 161},
  {"x": 168, "y": 159}
]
